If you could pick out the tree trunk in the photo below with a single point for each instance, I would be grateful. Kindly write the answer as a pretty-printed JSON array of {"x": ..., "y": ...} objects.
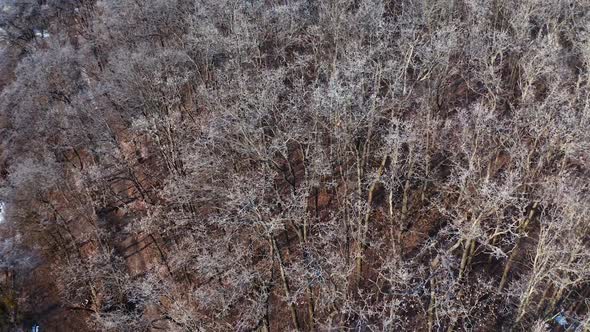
[{"x": 285, "y": 282}]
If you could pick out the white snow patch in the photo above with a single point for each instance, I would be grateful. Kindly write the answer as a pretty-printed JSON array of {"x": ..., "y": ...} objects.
[{"x": 2, "y": 206}]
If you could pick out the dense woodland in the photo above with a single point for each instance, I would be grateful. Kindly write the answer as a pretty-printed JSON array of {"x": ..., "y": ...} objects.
[{"x": 295, "y": 165}]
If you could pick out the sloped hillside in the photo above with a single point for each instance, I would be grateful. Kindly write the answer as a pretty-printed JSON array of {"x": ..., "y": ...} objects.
[{"x": 338, "y": 165}]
